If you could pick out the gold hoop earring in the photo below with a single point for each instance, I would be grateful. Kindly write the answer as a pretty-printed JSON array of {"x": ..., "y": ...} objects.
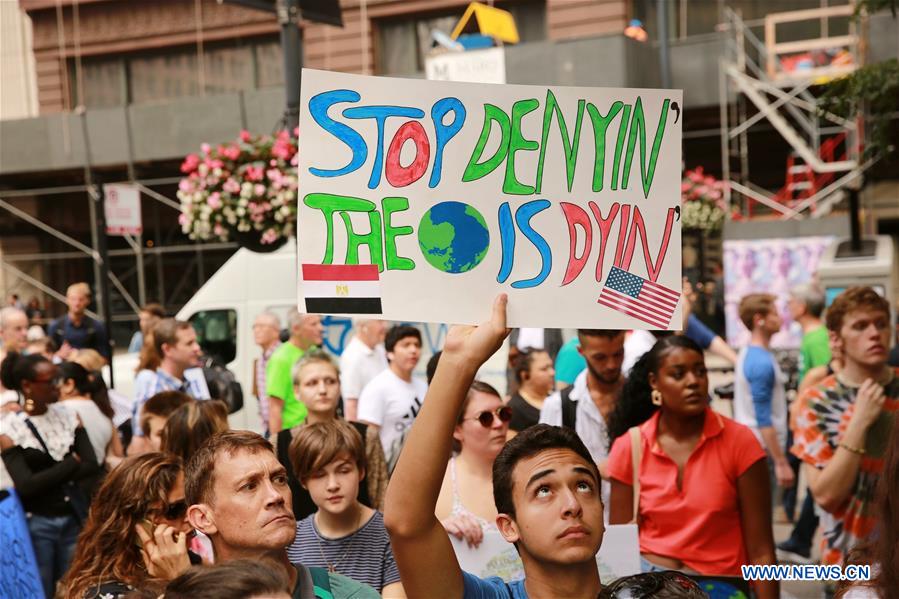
[{"x": 656, "y": 397}]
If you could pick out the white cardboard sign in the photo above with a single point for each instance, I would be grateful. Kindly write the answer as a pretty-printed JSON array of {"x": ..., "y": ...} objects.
[{"x": 566, "y": 198}]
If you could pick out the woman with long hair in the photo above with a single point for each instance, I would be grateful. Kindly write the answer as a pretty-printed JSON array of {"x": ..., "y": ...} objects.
[
  {"x": 535, "y": 375},
  {"x": 85, "y": 393},
  {"x": 466, "y": 506},
  {"x": 316, "y": 381},
  {"x": 702, "y": 499},
  {"x": 136, "y": 533},
  {"x": 882, "y": 554},
  {"x": 189, "y": 426},
  {"x": 47, "y": 452}
]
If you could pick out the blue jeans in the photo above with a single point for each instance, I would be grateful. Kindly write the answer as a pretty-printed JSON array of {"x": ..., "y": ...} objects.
[{"x": 53, "y": 538}]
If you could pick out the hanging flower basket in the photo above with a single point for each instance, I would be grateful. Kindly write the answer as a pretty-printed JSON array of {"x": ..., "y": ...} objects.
[
  {"x": 702, "y": 198},
  {"x": 243, "y": 191}
]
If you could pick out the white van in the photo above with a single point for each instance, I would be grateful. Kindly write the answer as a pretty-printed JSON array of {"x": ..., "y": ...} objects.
[{"x": 223, "y": 310}]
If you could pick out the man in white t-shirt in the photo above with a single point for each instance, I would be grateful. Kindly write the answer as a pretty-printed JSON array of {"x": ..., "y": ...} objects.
[
  {"x": 362, "y": 360},
  {"x": 392, "y": 400}
]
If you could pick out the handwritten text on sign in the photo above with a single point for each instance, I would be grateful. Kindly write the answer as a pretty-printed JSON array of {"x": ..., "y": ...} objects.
[{"x": 565, "y": 198}]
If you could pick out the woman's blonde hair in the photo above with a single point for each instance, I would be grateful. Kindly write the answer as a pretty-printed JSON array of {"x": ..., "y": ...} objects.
[{"x": 315, "y": 356}]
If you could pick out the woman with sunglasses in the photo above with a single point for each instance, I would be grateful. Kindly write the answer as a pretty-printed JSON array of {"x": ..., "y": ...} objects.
[
  {"x": 465, "y": 506},
  {"x": 316, "y": 382},
  {"x": 136, "y": 535},
  {"x": 46, "y": 451}
]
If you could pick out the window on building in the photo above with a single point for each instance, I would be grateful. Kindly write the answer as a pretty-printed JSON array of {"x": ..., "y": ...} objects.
[
  {"x": 103, "y": 83},
  {"x": 404, "y": 43},
  {"x": 217, "y": 333},
  {"x": 234, "y": 66}
]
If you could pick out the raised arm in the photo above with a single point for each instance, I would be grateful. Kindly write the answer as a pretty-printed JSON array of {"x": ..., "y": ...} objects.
[
  {"x": 832, "y": 485},
  {"x": 420, "y": 544},
  {"x": 754, "y": 494}
]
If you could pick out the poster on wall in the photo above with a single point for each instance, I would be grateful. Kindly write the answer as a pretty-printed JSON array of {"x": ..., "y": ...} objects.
[
  {"x": 768, "y": 266},
  {"x": 422, "y": 200}
]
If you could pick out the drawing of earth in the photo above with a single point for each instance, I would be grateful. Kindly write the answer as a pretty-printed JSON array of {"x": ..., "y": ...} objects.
[
  {"x": 717, "y": 589},
  {"x": 453, "y": 237}
]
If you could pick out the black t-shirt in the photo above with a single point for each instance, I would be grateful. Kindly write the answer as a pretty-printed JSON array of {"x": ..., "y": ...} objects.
[{"x": 524, "y": 415}]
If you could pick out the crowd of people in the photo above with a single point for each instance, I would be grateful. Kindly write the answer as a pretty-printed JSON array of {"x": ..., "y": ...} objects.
[{"x": 366, "y": 480}]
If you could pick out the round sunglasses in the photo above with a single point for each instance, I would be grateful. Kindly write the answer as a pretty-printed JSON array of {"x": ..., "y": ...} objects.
[
  {"x": 174, "y": 511},
  {"x": 504, "y": 413}
]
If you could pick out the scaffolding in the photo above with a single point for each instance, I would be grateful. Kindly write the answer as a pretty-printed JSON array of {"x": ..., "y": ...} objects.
[
  {"x": 14, "y": 264},
  {"x": 776, "y": 78}
]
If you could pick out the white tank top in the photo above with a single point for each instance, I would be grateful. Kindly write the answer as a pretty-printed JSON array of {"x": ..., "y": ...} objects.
[{"x": 98, "y": 426}]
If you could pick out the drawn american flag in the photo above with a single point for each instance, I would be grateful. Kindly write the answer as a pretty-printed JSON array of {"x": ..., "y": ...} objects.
[{"x": 635, "y": 296}]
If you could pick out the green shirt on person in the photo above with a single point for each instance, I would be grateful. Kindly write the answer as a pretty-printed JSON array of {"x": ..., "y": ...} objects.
[
  {"x": 814, "y": 350},
  {"x": 279, "y": 383}
]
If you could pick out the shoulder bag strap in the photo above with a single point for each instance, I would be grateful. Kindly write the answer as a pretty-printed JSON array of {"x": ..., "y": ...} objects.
[
  {"x": 321, "y": 583},
  {"x": 37, "y": 435},
  {"x": 569, "y": 408},
  {"x": 636, "y": 458}
]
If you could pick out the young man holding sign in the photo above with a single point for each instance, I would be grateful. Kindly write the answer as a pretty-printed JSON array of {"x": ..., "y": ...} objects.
[{"x": 545, "y": 484}]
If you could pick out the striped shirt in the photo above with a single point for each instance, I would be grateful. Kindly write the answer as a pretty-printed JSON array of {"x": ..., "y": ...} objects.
[
  {"x": 364, "y": 556},
  {"x": 261, "y": 365},
  {"x": 149, "y": 383}
]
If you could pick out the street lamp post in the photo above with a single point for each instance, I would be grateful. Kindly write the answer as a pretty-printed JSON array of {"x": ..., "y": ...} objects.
[{"x": 292, "y": 46}]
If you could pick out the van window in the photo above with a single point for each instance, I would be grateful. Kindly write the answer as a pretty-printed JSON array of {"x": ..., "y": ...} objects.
[{"x": 217, "y": 333}]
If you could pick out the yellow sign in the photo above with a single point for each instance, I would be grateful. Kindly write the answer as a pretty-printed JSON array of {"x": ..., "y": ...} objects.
[
  {"x": 343, "y": 290},
  {"x": 495, "y": 22}
]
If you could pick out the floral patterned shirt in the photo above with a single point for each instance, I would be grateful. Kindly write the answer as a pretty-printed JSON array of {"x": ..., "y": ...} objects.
[
  {"x": 57, "y": 426},
  {"x": 824, "y": 414}
]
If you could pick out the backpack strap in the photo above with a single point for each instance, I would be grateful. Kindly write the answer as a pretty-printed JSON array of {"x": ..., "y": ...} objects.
[
  {"x": 321, "y": 583},
  {"x": 569, "y": 408},
  {"x": 636, "y": 458},
  {"x": 55, "y": 331}
]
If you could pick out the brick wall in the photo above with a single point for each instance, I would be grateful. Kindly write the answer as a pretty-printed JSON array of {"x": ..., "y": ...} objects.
[{"x": 108, "y": 27}]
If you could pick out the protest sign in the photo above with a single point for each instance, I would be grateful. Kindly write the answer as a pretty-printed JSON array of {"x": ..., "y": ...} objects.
[
  {"x": 567, "y": 199},
  {"x": 619, "y": 554},
  {"x": 493, "y": 557},
  {"x": 19, "y": 577}
]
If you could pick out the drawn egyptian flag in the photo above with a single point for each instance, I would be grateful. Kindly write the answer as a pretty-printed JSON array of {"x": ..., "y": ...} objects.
[{"x": 342, "y": 289}]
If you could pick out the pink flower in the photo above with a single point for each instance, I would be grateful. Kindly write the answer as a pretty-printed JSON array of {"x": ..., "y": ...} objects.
[
  {"x": 259, "y": 189},
  {"x": 245, "y": 136},
  {"x": 185, "y": 185},
  {"x": 254, "y": 173},
  {"x": 231, "y": 186},
  {"x": 182, "y": 219},
  {"x": 218, "y": 230},
  {"x": 205, "y": 148},
  {"x": 215, "y": 200},
  {"x": 231, "y": 152},
  {"x": 191, "y": 161},
  {"x": 269, "y": 236}
]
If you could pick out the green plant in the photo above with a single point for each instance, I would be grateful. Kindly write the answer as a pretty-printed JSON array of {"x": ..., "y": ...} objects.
[{"x": 873, "y": 90}]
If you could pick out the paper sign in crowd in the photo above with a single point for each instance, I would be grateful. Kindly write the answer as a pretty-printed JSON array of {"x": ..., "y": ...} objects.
[{"x": 422, "y": 200}]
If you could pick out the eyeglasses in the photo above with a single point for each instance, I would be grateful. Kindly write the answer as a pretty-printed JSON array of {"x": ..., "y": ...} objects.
[
  {"x": 174, "y": 511},
  {"x": 504, "y": 413}
]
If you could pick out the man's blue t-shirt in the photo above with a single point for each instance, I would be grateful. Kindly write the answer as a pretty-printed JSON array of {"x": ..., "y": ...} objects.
[
  {"x": 698, "y": 332},
  {"x": 492, "y": 588}
]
